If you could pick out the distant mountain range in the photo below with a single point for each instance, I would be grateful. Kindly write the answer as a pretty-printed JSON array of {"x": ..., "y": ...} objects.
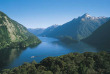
[
  {"x": 101, "y": 37},
  {"x": 42, "y": 31},
  {"x": 79, "y": 28},
  {"x": 36, "y": 31},
  {"x": 49, "y": 30},
  {"x": 13, "y": 34}
]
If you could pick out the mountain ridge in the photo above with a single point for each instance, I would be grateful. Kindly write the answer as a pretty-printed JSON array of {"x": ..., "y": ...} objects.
[
  {"x": 48, "y": 30},
  {"x": 78, "y": 28},
  {"x": 100, "y": 37},
  {"x": 13, "y": 32},
  {"x": 36, "y": 31}
]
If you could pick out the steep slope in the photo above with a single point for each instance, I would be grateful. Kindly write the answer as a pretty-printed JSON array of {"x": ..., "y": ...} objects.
[
  {"x": 100, "y": 37},
  {"x": 49, "y": 30},
  {"x": 78, "y": 28},
  {"x": 36, "y": 31},
  {"x": 14, "y": 34}
]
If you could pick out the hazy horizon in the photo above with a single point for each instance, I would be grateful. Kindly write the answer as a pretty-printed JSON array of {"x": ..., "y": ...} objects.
[{"x": 44, "y": 13}]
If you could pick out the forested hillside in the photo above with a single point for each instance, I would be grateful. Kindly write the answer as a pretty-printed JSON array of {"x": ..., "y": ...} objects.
[
  {"x": 73, "y": 63},
  {"x": 101, "y": 37},
  {"x": 13, "y": 34}
]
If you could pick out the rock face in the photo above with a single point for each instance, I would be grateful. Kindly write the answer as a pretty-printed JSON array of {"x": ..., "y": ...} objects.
[
  {"x": 100, "y": 37},
  {"x": 79, "y": 28},
  {"x": 13, "y": 32}
]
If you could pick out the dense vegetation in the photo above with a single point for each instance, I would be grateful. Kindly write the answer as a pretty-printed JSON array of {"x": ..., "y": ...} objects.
[
  {"x": 13, "y": 34},
  {"x": 67, "y": 39},
  {"x": 101, "y": 37},
  {"x": 73, "y": 63},
  {"x": 31, "y": 41}
]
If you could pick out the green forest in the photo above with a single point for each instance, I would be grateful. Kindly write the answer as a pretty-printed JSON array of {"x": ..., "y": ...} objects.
[
  {"x": 55, "y": 37},
  {"x": 72, "y": 63}
]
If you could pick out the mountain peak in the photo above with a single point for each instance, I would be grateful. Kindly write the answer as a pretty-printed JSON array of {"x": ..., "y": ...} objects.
[{"x": 86, "y": 15}]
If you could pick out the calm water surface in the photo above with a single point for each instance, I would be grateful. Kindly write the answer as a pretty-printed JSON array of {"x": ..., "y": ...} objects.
[{"x": 48, "y": 47}]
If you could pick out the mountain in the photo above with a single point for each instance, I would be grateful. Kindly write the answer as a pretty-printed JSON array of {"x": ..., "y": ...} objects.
[
  {"x": 36, "y": 31},
  {"x": 13, "y": 34},
  {"x": 100, "y": 37},
  {"x": 49, "y": 30},
  {"x": 79, "y": 28}
]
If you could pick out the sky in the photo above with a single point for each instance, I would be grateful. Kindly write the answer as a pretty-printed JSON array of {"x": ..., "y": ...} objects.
[{"x": 44, "y": 13}]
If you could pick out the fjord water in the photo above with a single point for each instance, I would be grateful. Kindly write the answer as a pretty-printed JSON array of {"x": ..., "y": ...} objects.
[{"x": 49, "y": 47}]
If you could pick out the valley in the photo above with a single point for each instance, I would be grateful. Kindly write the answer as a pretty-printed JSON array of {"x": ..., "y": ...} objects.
[
  {"x": 54, "y": 37},
  {"x": 17, "y": 56}
]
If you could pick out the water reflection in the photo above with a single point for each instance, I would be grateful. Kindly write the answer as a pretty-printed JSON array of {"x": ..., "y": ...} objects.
[
  {"x": 8, "y": 55},
  {"x": 10, "y": 58},
  {"x": 77, "y": 47}
]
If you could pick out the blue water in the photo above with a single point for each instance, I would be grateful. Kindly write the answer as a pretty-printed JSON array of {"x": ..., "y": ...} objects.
[{"x": 48, "y": 47}]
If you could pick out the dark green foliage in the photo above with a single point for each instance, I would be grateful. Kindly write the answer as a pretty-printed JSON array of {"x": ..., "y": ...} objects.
[
  {"x": 31, "y": 41},
  {"x": 67, "y": 39},
  {"x": 73, "y": 63},
  {"x": 13, "y": 34},
  {"x": 101, "y": 37}
]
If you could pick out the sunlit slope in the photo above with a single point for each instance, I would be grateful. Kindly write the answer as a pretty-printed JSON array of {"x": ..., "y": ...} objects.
[{"x": 11, "y": 31}]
